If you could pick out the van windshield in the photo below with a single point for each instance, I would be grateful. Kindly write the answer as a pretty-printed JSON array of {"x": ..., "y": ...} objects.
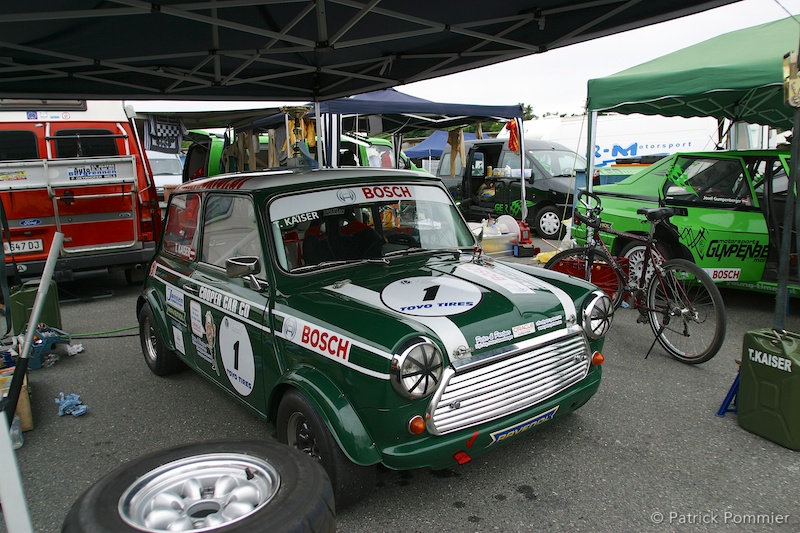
[{"x": 363, "y": 223}]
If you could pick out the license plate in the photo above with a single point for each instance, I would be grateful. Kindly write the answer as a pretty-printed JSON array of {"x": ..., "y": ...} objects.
[{"x": 21, "y": 247}]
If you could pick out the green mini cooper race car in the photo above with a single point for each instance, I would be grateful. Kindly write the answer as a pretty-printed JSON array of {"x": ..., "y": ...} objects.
[
  {"x": 354, "y": 309},
  {"x": 730, "y": 217}
]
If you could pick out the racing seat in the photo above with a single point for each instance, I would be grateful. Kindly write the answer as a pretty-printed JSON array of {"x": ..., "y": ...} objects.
[{"x": 316, "y": 245}]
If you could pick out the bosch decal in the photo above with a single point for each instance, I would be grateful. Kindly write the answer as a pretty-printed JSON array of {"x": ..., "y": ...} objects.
[
  {"x": 386, "y": 192},
  {"x": 738, "y": 249},
  {"x": 724, "y": 274},
  {"x": 346, "y": 196},
  {"x": 512, "y": 431},
  {"x": 317, "y": 339},
  {"x": 768, "y": 359},
  {"x": 431, "y": 296}
]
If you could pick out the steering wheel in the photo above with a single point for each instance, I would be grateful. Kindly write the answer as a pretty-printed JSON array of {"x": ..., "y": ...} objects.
[{"x": 591, "y": 203}]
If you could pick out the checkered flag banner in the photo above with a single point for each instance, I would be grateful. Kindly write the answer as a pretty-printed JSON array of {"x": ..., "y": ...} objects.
[{"x": 164, "y": 134}]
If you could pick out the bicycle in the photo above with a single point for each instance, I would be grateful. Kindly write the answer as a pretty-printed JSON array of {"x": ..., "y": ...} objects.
[{"x": 673, "y": 295}]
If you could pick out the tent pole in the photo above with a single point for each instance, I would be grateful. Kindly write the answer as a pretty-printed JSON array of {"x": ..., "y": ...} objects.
[
  {"x": 522, "y": 182},
  {"x": 784, "y": 265},
  {"x": 590, "y": 134}
]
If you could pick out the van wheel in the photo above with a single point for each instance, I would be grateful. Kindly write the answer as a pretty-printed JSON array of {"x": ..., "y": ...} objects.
[
  {"x": 158, "y": 357},
  {"x": 548, "y": 223},
  {"x": 299, "y": 426},
  {"x": 231, "y": 486},
  {"x": 134, "y": 276}
]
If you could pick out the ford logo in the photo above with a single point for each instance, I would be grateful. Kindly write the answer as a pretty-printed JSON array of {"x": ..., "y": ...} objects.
[{"x": 30, "y": 222}]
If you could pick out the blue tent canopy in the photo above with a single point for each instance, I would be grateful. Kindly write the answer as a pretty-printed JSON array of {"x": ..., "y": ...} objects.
[
  {"x": 389, "y": 110},
  {"x": 433, "y": 145}
]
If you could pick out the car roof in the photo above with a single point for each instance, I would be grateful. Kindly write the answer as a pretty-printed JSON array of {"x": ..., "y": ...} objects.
[{"x": 285, "y": 179}]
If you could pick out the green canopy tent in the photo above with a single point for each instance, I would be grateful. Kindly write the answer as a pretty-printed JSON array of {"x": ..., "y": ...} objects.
[{"x": 736, "y": 76}]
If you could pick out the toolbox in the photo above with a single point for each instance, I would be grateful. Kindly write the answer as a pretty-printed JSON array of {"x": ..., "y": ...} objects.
[
  {"x": 768, "y": 400},
  {"x": 21, "y": 303}
]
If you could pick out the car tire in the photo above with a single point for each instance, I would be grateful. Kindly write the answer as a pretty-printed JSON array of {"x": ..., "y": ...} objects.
[
  {"x": 223, "y": 486},
  {"x": 634, "y": 252},
  {"x": 548, "y": 223},
  {"x": 299, "y": 425},
  {"x": 161, "y": 360}
]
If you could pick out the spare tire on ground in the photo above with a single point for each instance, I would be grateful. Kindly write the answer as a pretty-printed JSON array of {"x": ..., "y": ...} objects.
[{"x": 221, "y": 486}]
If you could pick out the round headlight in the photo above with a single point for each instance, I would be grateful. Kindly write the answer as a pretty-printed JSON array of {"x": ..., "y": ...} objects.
[
  {"x": 417, "y": 369},
  {"x": 598, "y": 313}
]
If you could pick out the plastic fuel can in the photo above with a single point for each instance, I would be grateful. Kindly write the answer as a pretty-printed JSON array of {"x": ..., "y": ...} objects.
[{"x": 768, "y": 401}]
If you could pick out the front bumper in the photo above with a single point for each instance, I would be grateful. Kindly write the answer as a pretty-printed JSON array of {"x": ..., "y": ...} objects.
[{"x": 438, "y": 451}]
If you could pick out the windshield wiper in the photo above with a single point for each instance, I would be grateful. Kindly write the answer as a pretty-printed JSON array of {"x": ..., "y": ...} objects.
[
  {"x": 324, "y": 264},
  {"x": 415, "y": 249}
]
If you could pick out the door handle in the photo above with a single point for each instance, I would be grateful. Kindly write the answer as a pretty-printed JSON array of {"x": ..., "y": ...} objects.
[{"x": 193, "y": 289}]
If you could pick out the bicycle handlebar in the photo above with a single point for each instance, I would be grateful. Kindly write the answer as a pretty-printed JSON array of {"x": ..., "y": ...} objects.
[{"x": 592, "y": 216}]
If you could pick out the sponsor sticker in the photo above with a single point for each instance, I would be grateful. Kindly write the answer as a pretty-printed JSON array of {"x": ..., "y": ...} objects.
[
  {"x": 317, "y": 339},
  {"x": 724, "y": 274},
  {"x": 495, "y": 337},
  {"x": 431, "y": 296},
  {"x": 236, "y": 353},
  {"x": 177, "y": 336},
  {"x": 515, "y": 430},
  {"x": 547, "y": 323},
  {"x": 524, "y": 329},
  {"x": 92, "y": 172},
  {"x": 13, "y": 176},
  {"x": 769, "y": 359}
]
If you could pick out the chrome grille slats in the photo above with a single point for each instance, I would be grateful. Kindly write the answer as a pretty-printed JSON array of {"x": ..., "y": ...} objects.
[{"x": 504, "y": 385}]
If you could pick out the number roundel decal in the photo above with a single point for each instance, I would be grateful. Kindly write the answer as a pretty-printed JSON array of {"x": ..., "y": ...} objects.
[
  {"x": 237, "y": 355},
  {"x": 431, "y": 296}
]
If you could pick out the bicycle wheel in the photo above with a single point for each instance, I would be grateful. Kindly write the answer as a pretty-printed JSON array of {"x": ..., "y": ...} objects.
[
  {"x": 602, "y": 273},
  {"x": 686, "y": 311}
]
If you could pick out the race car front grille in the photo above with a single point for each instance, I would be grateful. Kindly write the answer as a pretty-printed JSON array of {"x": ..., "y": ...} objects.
[{"x": 523, "y": 377}]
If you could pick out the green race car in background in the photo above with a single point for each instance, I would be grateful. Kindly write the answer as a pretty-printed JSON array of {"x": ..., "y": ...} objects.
[{"x": 731, "y": 209}]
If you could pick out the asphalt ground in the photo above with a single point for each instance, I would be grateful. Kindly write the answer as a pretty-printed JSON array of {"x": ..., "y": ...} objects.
[{"x": 647, "y": 453}]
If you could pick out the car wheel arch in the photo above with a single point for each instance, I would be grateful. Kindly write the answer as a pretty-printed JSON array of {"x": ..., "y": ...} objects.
[
  {"x": 150, "y": 298},
  {"x": 335, "y": 410}
]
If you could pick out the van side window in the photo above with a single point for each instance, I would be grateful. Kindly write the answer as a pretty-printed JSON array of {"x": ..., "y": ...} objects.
[
  {"x": 17, "y": 145},
  {"x": 230, "y": 229},
  {"x": 180, "y": 233},
  {"x": 85, "y": 143}
]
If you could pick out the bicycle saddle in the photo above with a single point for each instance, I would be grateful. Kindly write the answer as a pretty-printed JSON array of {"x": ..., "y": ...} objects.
[{"x": 657, "y": 213}]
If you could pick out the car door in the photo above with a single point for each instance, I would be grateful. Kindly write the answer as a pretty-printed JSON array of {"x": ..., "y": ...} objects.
[
  {"x": 721, "y": 223},
  {"x": 227, "y": 316}
]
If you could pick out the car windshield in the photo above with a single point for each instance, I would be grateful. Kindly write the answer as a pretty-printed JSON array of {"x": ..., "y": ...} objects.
[
  {"x": 559, "y": 162},
  {"x": 164, "y": 166},
  {"x": 364, "y": 223}
]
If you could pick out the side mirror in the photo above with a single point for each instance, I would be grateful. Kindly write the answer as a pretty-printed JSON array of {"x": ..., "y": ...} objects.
[{"x": 244, "y": 267}]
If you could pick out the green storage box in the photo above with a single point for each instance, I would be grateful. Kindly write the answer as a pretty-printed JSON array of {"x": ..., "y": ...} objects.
[
  {"x": 768, "y": 401},
  {"x": 22, "y": 298}
]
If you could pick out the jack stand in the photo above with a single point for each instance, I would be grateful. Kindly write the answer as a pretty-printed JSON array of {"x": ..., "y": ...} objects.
[{"x": 731, "y": 399}]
